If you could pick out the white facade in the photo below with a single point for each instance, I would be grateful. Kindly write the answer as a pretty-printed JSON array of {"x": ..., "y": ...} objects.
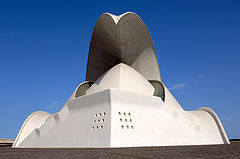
[{"x": 125, "y": 104}]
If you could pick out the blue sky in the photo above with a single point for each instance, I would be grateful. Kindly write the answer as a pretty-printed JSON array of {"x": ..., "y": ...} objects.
[{"x": 44, "y": 48}]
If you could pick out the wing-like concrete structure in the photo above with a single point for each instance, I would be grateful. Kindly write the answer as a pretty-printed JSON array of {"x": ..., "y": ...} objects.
[
  {"x": 121, "y": 39},
  {"x": 123, "y": 102}
]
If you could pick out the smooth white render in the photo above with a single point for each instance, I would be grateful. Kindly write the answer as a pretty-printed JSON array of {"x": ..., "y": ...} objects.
[
  {"x": 124, "y": 78},
  {"x": 33, "y": 122},
  {"x": 121, "y": 107}
]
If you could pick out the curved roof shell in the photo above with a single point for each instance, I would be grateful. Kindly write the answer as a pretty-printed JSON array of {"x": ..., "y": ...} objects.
[{"x": 121, "y": 39}]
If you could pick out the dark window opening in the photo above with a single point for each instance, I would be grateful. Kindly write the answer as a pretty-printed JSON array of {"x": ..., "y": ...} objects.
[
  {"x": 159, "y": 89},
  {"x": 83, "y": 88}
]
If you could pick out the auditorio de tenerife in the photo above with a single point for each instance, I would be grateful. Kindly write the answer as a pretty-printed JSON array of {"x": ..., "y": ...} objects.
[{"x": 123, "y": 102}]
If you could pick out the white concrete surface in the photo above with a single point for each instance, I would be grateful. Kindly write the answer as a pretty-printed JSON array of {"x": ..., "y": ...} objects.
[
  {"x": 122, "y": 77},
  {"x": 34, "y": 121},
  {"x": 121, "y": 109}
]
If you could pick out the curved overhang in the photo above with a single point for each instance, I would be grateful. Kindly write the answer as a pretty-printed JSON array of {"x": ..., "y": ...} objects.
[{"x": 121, "y": 39}]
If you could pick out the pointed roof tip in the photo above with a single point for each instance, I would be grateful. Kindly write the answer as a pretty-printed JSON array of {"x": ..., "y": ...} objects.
[
  {"x": 122, "y": 65},
  {"x": 116, "y": 18}
]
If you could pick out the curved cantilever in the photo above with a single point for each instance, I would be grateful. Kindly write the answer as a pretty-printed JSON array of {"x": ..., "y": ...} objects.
[
  {"x": 121, "y": 39},
  {"x": 34, "y": 121},
  {"x": 218, "y": 122}
]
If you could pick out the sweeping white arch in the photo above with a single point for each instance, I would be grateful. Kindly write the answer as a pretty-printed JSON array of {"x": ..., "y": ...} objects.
[
  {"x": 34, "y": 121},
  {"x": 121, "y": 39}
]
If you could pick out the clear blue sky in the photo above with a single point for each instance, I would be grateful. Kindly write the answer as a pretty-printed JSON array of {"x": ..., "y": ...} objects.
[{"x": 44, "y": 48}]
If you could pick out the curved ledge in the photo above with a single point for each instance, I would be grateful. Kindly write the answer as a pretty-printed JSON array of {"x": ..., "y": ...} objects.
[
  {"x": 218, "y": 122},
  {"x": 121, "y": 39},
  {"x": 33, "y": 121}
]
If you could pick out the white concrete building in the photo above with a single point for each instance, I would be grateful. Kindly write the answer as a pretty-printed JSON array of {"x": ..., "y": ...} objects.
[{"x": 123, "y": 102}]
